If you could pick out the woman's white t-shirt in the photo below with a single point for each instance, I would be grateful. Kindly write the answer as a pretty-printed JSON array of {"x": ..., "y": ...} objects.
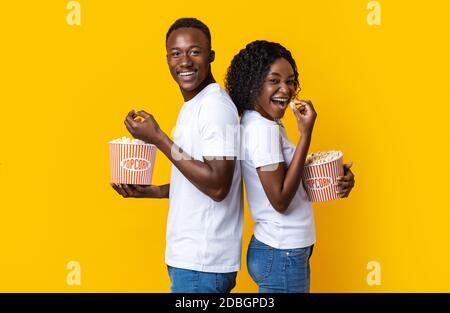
[{"x": 265, "y": 142}]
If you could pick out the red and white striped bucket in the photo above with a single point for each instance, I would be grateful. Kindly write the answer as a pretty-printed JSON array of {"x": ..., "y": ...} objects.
[
  {"x": 132, "y": 163},
  {"x": 319, "y": 180}
]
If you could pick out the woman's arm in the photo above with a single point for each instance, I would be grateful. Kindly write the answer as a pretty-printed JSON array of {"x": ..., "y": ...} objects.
[{"x": 280, "y": 183}]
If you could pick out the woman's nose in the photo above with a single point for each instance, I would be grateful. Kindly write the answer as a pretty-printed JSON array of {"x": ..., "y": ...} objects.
[{"x": 284, "y": 87}]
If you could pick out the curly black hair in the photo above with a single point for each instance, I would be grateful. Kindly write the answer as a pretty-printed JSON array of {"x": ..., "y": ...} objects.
[
  {"x": 249, "y": 68},
  {"x": 190, "y": 22}
]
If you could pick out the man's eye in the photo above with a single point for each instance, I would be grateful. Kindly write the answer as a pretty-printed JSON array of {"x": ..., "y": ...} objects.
[
  {"x": 195, "y": 52},
  {"x": 175, "y": 53}
]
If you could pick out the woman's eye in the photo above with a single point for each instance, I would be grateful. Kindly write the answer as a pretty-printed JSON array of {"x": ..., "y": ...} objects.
[
  {"x": 274, "y": 81},
  {"x": 291, "y": 82}
]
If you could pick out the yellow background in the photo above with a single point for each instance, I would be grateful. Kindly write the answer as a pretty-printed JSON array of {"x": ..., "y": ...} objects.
[{"x": 381, "y": 93}]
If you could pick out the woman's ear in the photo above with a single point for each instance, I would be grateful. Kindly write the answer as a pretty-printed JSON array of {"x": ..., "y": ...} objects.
[{"x": 212, "y": 56}]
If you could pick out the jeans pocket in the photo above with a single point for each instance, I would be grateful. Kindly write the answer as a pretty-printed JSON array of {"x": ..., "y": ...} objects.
[
  {"x": 225, "y": 282},
  {"x": 259, "y": 263},
  {"x": 299, "y": 252}
]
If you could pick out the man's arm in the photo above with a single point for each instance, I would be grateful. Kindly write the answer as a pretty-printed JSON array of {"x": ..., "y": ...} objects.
[{"x": 213, "y": 176}]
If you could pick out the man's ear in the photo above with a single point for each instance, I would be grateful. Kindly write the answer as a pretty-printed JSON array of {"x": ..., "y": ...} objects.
[{"x": 212, "y": 56}]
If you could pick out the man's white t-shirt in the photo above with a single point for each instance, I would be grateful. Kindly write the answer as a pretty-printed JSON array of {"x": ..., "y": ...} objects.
[
  {"x": 265, "y": 142},
  {"x": 202, "y": 234}
]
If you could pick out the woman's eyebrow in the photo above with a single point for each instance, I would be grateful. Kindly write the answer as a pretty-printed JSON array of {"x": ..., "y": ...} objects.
[{"x": 276, "y": 74}]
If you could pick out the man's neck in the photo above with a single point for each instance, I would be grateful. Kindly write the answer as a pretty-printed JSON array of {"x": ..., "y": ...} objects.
[{"x": 188, "y": 95}]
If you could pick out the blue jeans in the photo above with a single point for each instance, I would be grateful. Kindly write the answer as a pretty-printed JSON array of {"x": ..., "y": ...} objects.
[
  {"x": 279, "y": 270},
  {"x": 183, "y": 280}
]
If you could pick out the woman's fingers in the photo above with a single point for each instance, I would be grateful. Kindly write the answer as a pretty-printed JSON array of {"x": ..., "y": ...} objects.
[
  {"x": 305, "y": 108},
  {"x": 343, "y": 192},
  {"x": 345, "y": 184},
  {"x": 297, "y": 113}
]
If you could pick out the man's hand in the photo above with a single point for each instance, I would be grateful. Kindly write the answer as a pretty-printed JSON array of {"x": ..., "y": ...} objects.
[
  {"x": 346, "y": 182},
  {"x": 143, "y": 126},
  {"x": 138, "y": 191}
]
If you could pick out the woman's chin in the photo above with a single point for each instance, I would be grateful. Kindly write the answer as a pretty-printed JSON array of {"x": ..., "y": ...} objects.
[{"x": 278, "y": 115}]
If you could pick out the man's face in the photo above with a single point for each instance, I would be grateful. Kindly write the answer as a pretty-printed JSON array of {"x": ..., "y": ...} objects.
[{"x": 189, "y": 57}]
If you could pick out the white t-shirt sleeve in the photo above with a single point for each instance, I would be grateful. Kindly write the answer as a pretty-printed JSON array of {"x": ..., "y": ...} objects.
[
  {"x": 219, "y": 128},
  {"x": 264, "y": 144}
]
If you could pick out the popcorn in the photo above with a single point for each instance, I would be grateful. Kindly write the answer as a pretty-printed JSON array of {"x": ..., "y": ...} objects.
[
  {"x": 320, "y": 174},
  {"x": 292, "y": 105},
  {"x": 323, "y": 157},
  {"x": 132, "y": 161},
  {"x": 125, "y": 139}
]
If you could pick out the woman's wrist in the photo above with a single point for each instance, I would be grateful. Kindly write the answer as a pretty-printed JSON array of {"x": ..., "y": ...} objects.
[{"x": 305, "y": 137}]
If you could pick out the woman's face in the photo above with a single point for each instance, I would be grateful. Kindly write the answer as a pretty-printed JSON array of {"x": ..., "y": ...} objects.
[{"x": 277, "y": 90}]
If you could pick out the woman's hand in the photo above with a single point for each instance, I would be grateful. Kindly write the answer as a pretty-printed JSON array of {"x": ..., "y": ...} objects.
[
  {"x": 346, "y": 182},
  {"x": 306, "y": 117}
]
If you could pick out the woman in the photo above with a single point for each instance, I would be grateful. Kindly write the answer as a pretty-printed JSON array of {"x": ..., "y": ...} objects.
[{"x": 262, "y": 80}]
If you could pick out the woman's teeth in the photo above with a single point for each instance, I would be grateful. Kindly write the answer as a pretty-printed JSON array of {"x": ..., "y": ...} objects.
[{"x": 280, "y": 101}]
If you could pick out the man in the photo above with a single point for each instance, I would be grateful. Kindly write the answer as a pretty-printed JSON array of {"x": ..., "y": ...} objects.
[{"x": 204, "y": 227}]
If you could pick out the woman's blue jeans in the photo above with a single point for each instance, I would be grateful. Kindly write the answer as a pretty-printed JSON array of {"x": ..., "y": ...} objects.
[{"x": 279, "y": 270}]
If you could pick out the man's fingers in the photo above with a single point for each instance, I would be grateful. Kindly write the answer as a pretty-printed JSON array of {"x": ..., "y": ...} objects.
[
  {"x": 129, "y": 190},
  {"x": 120, "y": 190},
  {"x": 139, "y": 188},
  {"x": 131, "y": 121},
  {"x": 129, "y": 127},
  {"x": 132, "y": 114},
  {"x": 115, "y": 188},
  {"x": 143, "y": 114}
]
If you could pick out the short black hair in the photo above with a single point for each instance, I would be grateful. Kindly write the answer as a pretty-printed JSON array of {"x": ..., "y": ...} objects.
[
  {"x": 249, "y": 68},
  {"x": 190, "y": 22}
]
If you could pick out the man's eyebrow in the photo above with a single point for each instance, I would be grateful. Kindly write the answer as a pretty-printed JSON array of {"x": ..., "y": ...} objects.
[{"x": 190, "y": 47}]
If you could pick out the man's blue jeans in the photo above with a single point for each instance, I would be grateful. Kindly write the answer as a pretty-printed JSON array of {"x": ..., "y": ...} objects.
[
  {"x": 279, "y": 270},
  {"x": 183, "y": 280}
]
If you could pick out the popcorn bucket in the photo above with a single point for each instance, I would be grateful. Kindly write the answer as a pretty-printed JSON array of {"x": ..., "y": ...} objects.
[
  {"x": 132, "y": 163},
  {"x": 320, "y": 174}
]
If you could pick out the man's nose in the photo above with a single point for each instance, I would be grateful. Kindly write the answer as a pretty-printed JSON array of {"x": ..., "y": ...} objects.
[{"x": 186, "y": 60}]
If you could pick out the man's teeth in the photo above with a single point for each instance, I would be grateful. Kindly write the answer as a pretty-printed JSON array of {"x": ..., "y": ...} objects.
[{"x": 186, "y": 73}]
